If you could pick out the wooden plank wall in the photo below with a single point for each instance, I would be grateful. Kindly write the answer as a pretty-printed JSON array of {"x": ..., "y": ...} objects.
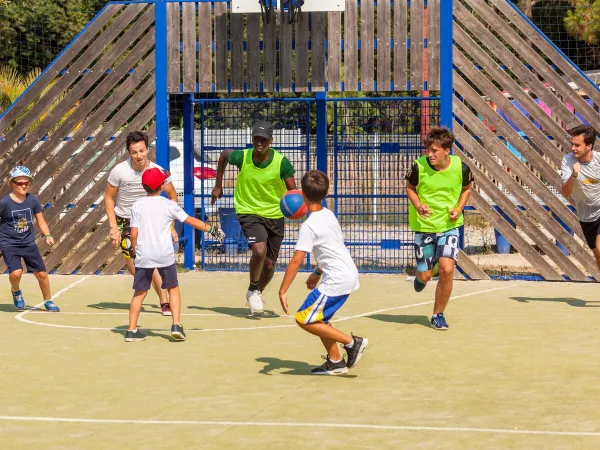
[
  {"x": 64, "y": 129},
  {"x": 495, "y": 73},
  {"x": 364, "y": 48}
]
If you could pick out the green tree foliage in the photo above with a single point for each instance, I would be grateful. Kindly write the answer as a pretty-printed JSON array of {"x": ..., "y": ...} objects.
[
  {"x": 32, "y": 32},
  {"x": 583, "y": 21}
]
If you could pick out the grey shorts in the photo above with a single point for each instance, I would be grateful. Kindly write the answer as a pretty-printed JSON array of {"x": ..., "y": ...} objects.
[
  {"x": 430, "y": 247},
  {"x": 142, "y": 279}
]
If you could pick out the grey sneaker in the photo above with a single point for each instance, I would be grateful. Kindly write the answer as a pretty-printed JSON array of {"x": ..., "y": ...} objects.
[
  {"x": 330, "y": 368},
  {"x": 132, "y": 336},
  {"x": 178, "y": 333},
  {"x": 357, "y": 350}
]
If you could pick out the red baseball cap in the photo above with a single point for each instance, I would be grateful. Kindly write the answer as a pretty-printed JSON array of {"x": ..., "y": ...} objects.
[{"x": 153, "y": 178}]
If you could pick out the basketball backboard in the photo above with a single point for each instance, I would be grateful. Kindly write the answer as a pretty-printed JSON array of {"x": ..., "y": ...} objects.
[{"x": 253, "y": 6}]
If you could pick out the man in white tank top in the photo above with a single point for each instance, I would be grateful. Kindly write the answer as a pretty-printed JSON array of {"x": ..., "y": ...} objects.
[{"x": 123, "y": 188}]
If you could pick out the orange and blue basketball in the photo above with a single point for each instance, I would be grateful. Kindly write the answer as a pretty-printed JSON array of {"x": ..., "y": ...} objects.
[{"x": 292, "y": 205}]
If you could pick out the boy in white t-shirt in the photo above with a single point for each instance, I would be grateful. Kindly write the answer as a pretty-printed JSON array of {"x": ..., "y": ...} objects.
[
  {"x": 322, "y": 236},
  {"x": 151, "y": 219}
]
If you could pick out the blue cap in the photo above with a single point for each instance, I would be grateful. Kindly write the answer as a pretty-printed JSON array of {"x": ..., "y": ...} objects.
[{"x": 20, "y": 171}]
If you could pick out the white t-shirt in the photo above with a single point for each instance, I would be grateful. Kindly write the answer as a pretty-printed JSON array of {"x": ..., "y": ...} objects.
[
  {"x": 129, "y": 182},
  {"x": 322, "y": 236},
  {"x": 587, "y": 186},
  {"x": 152, "y": 216}
]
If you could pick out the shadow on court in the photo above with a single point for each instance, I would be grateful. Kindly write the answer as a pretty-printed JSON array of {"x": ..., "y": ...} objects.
[
  {"x": 125, "y": 306},
  {"x": 122, "y": 329},
  {"x": 577, "y": 302},
  {"x": 295, "y": 367},
  {"x": 237, "y": 312},
  {"x": 409, "y": 320}
]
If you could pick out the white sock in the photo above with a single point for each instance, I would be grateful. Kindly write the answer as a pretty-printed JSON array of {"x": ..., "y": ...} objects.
[
  {"x": 335, "y": 362},
  {"x": 350, "y": 345},
  {"x": 135, "y": 331}
]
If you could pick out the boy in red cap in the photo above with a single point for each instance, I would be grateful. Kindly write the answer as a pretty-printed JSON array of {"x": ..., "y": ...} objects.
[{"x": 151, "y": 219}]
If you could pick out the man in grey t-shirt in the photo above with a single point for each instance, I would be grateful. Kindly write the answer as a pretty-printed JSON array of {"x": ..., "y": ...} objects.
[{"x": 580, "y": 174}]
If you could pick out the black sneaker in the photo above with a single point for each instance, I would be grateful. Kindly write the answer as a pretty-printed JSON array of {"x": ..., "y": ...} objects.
[
  {"x": 330, "y": 368},
  {"x": 355, "y": 353},
  {"x": 132, "y": 336},
  {"x": 419, "y": 285},
  {"x": 178, "y": 333}
]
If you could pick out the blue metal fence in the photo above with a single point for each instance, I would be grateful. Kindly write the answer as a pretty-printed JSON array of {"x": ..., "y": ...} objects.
[{"x": 368, "y": 146}]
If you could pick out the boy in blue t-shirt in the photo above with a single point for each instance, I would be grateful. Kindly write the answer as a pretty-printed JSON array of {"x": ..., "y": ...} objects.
[{"x": 17, "y": 239}]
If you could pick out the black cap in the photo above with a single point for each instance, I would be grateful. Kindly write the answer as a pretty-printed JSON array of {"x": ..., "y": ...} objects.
[{"x": 262, "y": 128}]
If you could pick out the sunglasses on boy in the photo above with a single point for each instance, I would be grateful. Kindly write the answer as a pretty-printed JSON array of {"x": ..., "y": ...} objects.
[{"x": 22, "y": 183}]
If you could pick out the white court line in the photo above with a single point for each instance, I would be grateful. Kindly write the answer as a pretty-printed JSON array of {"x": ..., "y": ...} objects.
[
  {"x": 302, "y": 425},
  {"x": 55, "y": 296},
  {"x": 20, "y": 317},
  {"x": 38, "y": 311}
]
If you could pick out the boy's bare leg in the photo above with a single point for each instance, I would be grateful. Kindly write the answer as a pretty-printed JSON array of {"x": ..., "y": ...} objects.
[
  {"x": 44, "y": 283},
  {"x": 329, "y": 335},
  {"x": 268, "y": 270},
  {"x": 444, "y": 286},
  {"x": 15, "y": 279},
  {"x": 175, "y": 302},
  {"x": 424, "y": 277},
  {"x": 135, "y": 308},
  {"x": 257, "y": 260},
  {"x": 156, "y": 284},
  {"x": 130, "y": 265}
]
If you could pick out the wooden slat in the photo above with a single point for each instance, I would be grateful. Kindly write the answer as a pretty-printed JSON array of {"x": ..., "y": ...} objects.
[
  {"x": 205, "y": 62},
  {"x": 73, "y": 96},
  {"x": 517, "y": 216},
  {"x": 57, "y": 66},
  {"x": 536, "y": 260},
  {"x": 351, "y": 46},
  {"x": 269, "y": 55},
  {"x": 433, "y": 45},
  {"x": 317, "y": 37},
  {"x": 253, "y": 52},
  {"x": 568, "y": 69},
  {"x": 523, "y": 74},
  {"x": 367, "y": 36},
  {"x": 285, "y": 53},
  {"x": 66, "y": 80},
  {"x": 536, "y": 210},
  {"x": 334, "y": 51},
  {"x": 221, "y": 54},
  {"x": 470, "y": 267},
  {"x": 236, "y": 32},
  {"x": 417, "y": 8},
  {"x": 86, "y": 249},
  {"x": 301, "y": 52},
  {"x": 189, "y": 46},
  {"x": 114, "y": 266},
  {"x": 458, "y": 275},
  {"x": 90, "y": 126},
  {"x": 173, "y": 50},
  {"x": 400, "y": 46},
  {"x": 384, "y": 36},
  {"x": 475, "y": 76},
  {"x": 542, "y": 191},
  {"x": 104, "y": 254},
  {"x": 141, "y": 96}
]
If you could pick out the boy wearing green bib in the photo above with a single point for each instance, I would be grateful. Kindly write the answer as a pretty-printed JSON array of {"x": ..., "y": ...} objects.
[
  {"x": 264, "y": 176},
  {"x": 438, "y": 187}
]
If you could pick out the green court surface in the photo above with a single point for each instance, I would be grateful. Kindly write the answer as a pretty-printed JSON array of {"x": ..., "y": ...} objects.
[{"x": 518, "y": 368}]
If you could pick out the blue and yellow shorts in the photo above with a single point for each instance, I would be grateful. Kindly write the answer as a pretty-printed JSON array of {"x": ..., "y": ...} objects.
[
  {"x": 430, "y": 247},
  {"x": 319, "y": 307}
]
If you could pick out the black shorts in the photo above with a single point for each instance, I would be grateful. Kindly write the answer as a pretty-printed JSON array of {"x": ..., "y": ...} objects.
[
  {"x": 590, "y": 231},
  {"x": 31, "y": 255},
  {"x": 142, "y": 279},
  {"x": 125, "y": 230},
  {"x": 259, "y": 229}
]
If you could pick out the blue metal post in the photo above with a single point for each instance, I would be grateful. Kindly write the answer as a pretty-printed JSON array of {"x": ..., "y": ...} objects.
[
  {"x": 321, "y": 98},
  {"x": 446, "y": 46},
  {"x": 188, "y": 179},
  {"x": 162, "y": 95}
]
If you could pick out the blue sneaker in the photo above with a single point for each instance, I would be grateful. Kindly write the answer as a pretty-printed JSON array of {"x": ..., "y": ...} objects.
[
  {"x": 18, "y": 300},
  {"x": 438, "y": 321},
  {"x": 419, "y": 285},
  {"x": 51, "y": 306}
]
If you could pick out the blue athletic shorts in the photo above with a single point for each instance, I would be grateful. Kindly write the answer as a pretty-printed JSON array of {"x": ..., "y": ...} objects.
[
  {"x": 430, "y": 247},
  {"x": 319, "y": 307},
  {"x": 30, "y": 254}
]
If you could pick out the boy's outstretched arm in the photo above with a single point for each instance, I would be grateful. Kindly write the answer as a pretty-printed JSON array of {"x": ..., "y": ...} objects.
[
  {"x": 214, "y": 231},
  {"x": 39, "y": 218},
  {"x": 288, "y": 278},
  {"x": 217, "y": 191}
]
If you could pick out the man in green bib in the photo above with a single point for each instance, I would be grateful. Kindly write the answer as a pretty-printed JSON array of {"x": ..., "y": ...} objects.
[
  {"x": 438, "y": 187},
  {"x": 264, "y": 176}
]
